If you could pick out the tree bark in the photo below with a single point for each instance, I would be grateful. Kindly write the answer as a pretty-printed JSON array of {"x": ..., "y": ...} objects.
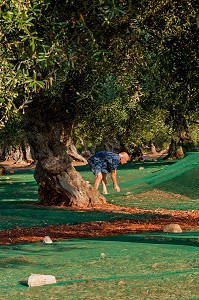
[
  {"x": 58, "y": 181},
  {"x": 72, "y": 151},
  {"x": 185, "y": 140},
  {"x": 174, "y": 151},
  {"x": 85, "y": 152},
  {"x": 152, "y": 147}
]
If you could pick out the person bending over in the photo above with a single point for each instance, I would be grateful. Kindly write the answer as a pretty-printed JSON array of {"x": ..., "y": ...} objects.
[{"x": 102, "y": 163}]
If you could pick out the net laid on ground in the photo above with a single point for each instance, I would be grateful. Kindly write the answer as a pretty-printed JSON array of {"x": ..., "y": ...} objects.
[
  {"x": 160, "y": 184},
  {"x": 143, "y": 266},
  {"x": 152, "y": 265},
  {"x": 156, "y": 184},
  {"x": 179, "y": 177}
]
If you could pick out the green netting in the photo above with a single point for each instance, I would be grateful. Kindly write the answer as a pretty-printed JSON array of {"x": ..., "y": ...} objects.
[
  {"x": 176, "y": 186},
  {"x": 18, "y": 197},
  {"x": 185, "y": 169},
  {"x": 143, "y": 266},
  {"x": 177, "y": 181}
]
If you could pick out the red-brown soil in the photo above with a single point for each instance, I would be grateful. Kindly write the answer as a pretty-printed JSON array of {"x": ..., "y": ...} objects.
[{"x": 187, "y": 220}]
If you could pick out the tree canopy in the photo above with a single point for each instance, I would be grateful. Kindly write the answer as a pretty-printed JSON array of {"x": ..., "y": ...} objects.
[
  {"x": 45, "y": 43},
  {"x": 169, "y": 74}
]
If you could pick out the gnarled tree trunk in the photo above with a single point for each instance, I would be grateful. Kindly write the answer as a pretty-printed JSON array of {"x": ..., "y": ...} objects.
[
  {"x": 20, "y": 153},
  {"x": 59, "y": 182}
]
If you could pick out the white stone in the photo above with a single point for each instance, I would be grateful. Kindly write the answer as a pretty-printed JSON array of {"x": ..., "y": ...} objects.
[
  {"x": 39, "y": 279},
  {"x": 175, "y": 228},
  {"x": 141, "y": 168},
  {"x": 47, "y": 240},
  {"x": 103, "y": 255}
]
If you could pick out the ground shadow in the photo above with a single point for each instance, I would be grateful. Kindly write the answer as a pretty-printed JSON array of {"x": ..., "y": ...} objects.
[{"x": 158, "y": 237}]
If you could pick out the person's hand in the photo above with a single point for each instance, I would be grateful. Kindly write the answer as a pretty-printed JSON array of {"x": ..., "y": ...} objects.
[{"x": 116, "y": 188}]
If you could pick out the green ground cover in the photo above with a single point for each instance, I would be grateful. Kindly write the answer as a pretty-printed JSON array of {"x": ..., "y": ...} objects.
[
  {"x": 18, "y": 193},
  {"x": 177, "y": 183},
  {"x": 138, "y": 266},
  {"x": 144, "y": 266}
]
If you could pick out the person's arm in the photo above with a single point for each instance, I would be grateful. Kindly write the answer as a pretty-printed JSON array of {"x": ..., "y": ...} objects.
[{"x": 114, "y": 179}]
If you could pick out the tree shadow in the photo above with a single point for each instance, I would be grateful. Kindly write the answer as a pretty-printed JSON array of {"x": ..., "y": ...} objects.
[
  {"x": 158, "y": 237},
  {"x": 29, "y": 214}
]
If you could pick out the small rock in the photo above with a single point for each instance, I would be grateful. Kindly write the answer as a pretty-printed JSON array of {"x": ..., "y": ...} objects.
[
  {"x": 103, "y": 255},
  {"x": 39, "y": 279},
  {"x": 175, "y": 228},
  {"x": 121, "y": 282},
  {"x": 47, "y": 240},
  {"x": 141, "y": 168}
]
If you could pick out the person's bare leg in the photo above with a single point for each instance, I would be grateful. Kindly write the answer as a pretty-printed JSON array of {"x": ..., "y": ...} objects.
[
  {"x": 104, "y": 183},
  {"x": 98, "y": 179},
  {"x": 114, "y": 179}
]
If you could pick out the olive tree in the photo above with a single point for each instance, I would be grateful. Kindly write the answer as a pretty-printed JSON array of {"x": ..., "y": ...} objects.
[
  {"x": 55, "y": 54},
  {"x": 52, "y": 55}
]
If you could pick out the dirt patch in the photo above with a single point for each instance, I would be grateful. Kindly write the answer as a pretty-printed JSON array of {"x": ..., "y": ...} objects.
[
  {"x": 11, "y": 165},
  {"x": 155, "y": 221}
]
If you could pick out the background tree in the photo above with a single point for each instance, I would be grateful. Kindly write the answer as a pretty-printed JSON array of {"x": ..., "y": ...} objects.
[
  {"x": 13, "y": 141},
  {"x": 168, "y": 74}
]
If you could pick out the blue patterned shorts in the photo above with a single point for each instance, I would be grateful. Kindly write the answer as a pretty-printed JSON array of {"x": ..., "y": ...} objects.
[{"x": 103, "y": 162}]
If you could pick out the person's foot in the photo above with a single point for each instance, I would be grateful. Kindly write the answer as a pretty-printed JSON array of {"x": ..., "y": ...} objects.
[
  {"x": 116, "y": 188},
  {"x": 104, "y": 192}
]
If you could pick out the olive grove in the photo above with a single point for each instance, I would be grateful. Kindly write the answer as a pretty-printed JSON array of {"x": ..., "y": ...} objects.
[{"x": 101, "y": 65}]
